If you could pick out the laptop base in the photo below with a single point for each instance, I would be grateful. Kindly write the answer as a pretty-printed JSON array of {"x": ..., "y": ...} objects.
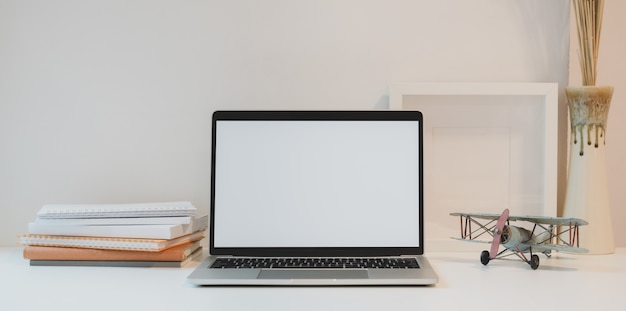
[{"x": 203, "y": 275}]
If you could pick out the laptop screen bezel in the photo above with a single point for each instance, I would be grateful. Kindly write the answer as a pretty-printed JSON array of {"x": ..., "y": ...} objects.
[{"x": 374, "y": 115}]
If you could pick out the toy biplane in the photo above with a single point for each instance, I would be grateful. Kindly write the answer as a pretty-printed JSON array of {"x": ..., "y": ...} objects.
[{"x": 548, "y": 234}]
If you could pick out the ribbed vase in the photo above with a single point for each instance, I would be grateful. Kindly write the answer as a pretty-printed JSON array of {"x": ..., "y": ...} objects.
[{"x": 587, "y": 194}]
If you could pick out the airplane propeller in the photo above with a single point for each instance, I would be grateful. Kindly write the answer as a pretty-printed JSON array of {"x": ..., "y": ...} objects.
[{"x": 497, "y": 234}]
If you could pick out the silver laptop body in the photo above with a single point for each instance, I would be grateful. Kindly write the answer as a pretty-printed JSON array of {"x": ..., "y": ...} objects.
[{"x": 316, "y": 198}]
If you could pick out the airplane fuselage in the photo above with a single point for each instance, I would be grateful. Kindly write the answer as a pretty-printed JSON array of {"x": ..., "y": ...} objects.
[{"x": 515, "y": 238}]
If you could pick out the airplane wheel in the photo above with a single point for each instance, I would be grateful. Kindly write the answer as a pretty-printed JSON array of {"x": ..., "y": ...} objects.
[
  {"x": 534, "y": 262},
  {"x": 484, "y": 257}
]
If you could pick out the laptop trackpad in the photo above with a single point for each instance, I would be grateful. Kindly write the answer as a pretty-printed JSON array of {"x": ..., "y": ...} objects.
[{"x": 313, "y": 274}]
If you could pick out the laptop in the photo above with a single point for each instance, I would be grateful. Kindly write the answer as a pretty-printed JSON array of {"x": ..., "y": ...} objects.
[{"x": 316, "y": 198}]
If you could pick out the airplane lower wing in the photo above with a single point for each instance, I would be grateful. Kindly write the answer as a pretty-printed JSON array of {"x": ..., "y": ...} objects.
[
  {"x": 554, "y": 247},
  {"x": 475, "y": 241},
  {"x": 539, "y": 248}
]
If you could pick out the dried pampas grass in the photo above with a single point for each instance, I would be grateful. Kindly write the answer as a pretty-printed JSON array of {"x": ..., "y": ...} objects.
[{"x": 589, "y": 22}]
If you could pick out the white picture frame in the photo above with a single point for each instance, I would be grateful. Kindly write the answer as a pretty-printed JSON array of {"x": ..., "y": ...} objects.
[{"x": 487, "y": 146}]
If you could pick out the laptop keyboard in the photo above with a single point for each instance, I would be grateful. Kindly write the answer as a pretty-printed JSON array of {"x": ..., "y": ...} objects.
[{"x": 313, "y": 263}]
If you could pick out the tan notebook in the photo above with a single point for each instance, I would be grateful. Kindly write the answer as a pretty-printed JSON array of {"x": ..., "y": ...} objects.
[{"x": 176, "y": 253}]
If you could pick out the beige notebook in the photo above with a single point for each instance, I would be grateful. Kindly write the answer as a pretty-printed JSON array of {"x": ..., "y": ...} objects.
[{"x": 149, "y": 245}]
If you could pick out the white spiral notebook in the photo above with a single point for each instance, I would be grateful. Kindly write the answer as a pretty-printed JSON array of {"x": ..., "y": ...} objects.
[
  {"x": 161, "y": 209},
  {"x": 122, "y": 231}
]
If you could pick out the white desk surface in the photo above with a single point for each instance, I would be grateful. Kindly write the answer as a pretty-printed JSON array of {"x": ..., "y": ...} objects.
[{"x": 582, "y": 282}]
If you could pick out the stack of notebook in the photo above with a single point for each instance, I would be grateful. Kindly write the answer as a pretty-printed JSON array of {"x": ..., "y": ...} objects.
[{"x": 142, "y": 235}]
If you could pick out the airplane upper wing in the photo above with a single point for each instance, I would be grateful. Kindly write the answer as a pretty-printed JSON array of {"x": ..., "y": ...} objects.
[
  {"x": 545, "y": 220},
  {"x": 478, "y": 215},
  {"x": 556, "y": 221}
]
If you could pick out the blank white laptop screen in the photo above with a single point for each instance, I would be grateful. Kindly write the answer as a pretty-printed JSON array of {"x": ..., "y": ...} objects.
[{"x": 316, "y": 183}]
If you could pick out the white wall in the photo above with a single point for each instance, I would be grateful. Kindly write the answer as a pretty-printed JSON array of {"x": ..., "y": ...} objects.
[{"x": 110, "y": 101}]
